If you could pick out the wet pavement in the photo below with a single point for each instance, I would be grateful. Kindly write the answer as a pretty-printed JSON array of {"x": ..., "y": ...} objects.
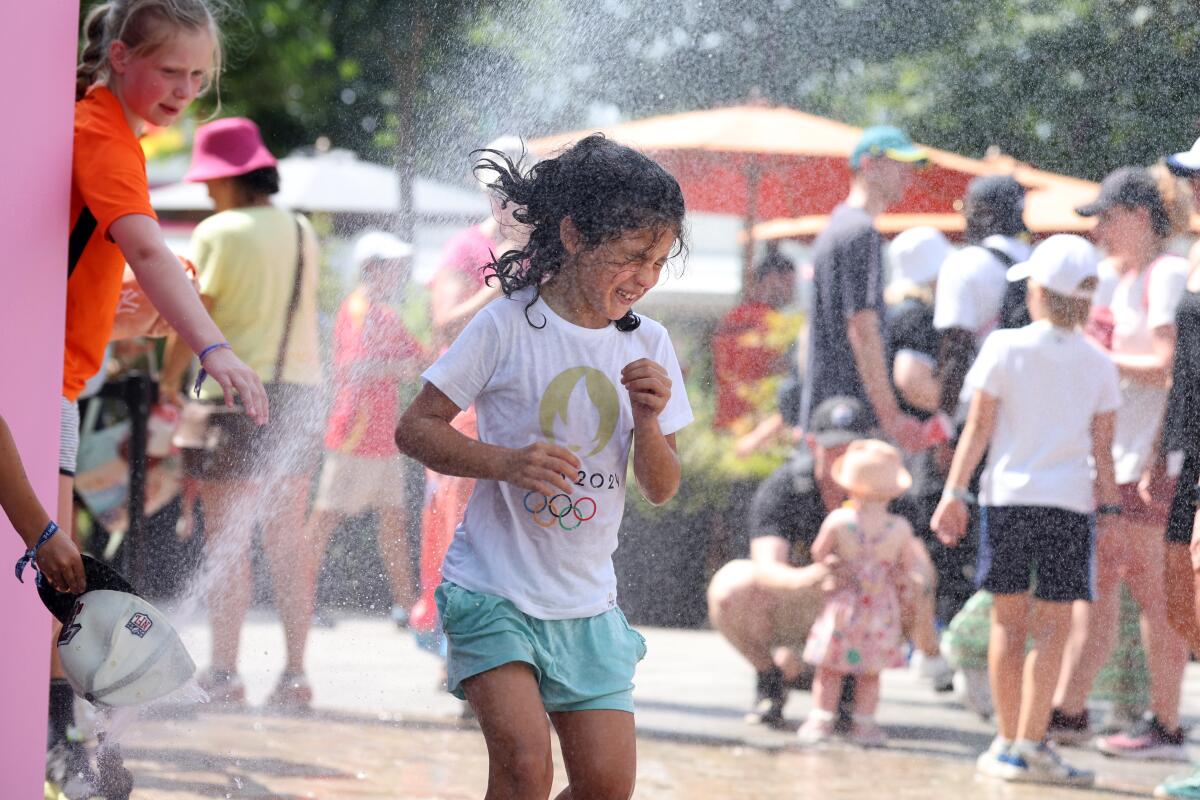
[{"x": 380, "y": 729}]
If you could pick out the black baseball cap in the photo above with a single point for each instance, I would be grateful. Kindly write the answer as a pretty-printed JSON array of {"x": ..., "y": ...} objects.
[
  {"x": 840, "y": 420},
  {"x": 996, "y": 203},
  {"x": 99, "y": 576},
  {"x": 1132, "y": 187}
]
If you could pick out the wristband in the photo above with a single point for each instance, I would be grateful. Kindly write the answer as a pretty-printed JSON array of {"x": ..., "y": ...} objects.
[
  {"x": 204, "y": 373},
  {"x": 960, "y": 494},
  {"x": 1110, "y": 510},
  {"x": 31, "y": 554}
]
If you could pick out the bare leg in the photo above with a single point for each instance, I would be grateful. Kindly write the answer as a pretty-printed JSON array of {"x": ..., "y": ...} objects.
[
  {"x": 600, "y": 751},
  {"x": 827, "y": 690},
  {"x": 741, "y": 611},
  {"x": 513, "y": 720},
  {"x": 228, "y": 529},
  {"x": 1180, "y": 590},
  {"x": 393, "y": 547},
  {"x": 1166, "y": 652},
  {"x": 1093, "y": 629},
  {"x": 1006, "y": 658},
  {"x": 294, "y": 552},
  {"x": 866, "y": 694},
  {"x": 1050, "y": 628}
]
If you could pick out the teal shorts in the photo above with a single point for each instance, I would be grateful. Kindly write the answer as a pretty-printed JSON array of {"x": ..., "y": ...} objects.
[{"x": 580, "y": 664}]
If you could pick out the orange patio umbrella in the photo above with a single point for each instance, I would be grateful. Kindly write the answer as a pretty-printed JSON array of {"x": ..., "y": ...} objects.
[
  {"x": 764, "y": 163},
  {"x": 1050, "y": 203}
]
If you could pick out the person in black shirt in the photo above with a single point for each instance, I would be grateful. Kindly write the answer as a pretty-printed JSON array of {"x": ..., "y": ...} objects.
[
  {"x": 765, "y": 606},
  {"x": 846, "y": 354}
]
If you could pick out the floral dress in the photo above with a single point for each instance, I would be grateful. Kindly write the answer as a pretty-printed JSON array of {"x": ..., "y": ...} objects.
[{"x": 858, "y": 630}]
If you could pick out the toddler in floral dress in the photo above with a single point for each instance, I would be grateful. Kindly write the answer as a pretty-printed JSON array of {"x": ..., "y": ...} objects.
[{"x": 858, "y": 632}]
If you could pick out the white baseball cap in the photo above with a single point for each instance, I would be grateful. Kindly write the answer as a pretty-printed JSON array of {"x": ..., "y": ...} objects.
[
  {"x": 1061, "y": 264},
  {"x": 917, "y": 255},
  {"x": 118, "y": 650},
  {"x": 380, "y": 246},
  {"x": 1186, "y": 164}
]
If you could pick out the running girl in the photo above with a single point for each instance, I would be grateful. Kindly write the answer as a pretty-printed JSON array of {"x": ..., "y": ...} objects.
[
  {"x": 529, "y": 600},
  {"x": 859, "y": 631}
]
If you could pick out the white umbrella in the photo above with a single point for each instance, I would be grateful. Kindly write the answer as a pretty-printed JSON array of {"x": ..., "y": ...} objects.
[{"x": 337, "y": 182}]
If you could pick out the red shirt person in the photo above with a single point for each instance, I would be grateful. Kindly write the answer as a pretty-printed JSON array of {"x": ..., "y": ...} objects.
[
  {"x": 743, "y": 351},
  {"x": 373, "y": 352}
]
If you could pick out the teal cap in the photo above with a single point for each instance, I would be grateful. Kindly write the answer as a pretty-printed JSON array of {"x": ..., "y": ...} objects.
[{"x": 885, "y": 140}]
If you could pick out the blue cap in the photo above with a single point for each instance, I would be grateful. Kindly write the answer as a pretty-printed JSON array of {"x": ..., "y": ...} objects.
[{"x": 885, "y": 140}]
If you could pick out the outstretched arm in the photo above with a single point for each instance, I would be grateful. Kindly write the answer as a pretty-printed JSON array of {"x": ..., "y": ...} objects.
[{"x": 158, "y": 272}]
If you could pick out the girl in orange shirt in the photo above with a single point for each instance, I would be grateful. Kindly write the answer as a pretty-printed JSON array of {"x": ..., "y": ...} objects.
[{"x": 143, "y": 62}]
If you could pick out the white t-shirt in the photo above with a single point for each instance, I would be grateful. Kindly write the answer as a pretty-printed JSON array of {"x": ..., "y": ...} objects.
[
  {"x": 1135, "y": 316},
  {"x": 552, "y": 557},
  {"x": 1049, "y": 383},
  {"x": 971, "y": 286}
]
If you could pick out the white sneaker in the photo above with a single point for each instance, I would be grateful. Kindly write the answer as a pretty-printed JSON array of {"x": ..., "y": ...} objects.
[
  {"x": 933, "y": 669},
  {"x": 1042, "y": 764},
  {"x": 989, "y": 763},
  {"x": 977, "y": 692},
  {"x": 816, "y": 730}
]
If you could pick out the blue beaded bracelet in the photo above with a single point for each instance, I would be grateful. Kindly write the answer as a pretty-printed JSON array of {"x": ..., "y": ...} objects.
[{"x": 203, "y": 372}]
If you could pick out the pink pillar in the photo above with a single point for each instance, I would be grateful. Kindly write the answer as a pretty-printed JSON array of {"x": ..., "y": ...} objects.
[{"x": 37, "y": 58}]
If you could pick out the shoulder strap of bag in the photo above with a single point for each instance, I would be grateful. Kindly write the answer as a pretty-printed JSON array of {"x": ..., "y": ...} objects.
[{"x": 293, "y": 304}]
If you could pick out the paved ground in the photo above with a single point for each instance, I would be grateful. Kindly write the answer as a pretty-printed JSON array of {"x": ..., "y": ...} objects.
[{"x": 382, "y": 730}]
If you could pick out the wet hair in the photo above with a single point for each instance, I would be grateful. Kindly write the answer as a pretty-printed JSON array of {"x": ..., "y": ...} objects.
[
  {"x": 262, "y": 182},
  {"x": 144, "y": 26},
  {"x": 606, "y": 189},
  {"x": 1065, "y": 311}
]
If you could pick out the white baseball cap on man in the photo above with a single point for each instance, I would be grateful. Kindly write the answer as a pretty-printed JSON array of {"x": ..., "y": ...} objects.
[
  {"x": 917, "y": 255},
  {"x": 1061, "y": 264},
  {"x": 380, "y": 246}
]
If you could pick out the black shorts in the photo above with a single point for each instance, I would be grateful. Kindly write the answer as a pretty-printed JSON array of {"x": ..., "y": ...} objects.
[
  {"x": 1183, "y": 506},
  {"x": 1050, "y": 548}
]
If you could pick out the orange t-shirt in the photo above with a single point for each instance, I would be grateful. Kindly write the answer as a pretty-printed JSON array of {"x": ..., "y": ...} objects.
[{"x": 108, "y": 181}]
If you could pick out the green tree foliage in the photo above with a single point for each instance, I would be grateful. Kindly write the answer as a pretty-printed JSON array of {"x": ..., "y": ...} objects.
[{"x": 1080, "y": 86}]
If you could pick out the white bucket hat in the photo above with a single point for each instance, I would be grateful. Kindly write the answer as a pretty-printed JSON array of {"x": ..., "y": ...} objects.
[{"x": 116, "y": 648}]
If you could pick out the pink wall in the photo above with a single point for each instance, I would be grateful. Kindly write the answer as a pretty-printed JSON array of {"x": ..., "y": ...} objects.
[{"x": 37, "y": 58}]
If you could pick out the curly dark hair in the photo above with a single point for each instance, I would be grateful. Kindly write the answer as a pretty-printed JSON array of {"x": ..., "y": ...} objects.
[{"x": 607, "y": 189}]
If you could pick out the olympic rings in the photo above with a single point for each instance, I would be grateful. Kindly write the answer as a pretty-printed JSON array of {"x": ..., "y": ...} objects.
[{"x": 547, "y": 514}]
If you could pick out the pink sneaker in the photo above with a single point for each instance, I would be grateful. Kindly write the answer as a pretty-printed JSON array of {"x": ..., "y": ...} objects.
[
  {"x": 867, "y": 733},
  {"x": 1149, "y": 740}
]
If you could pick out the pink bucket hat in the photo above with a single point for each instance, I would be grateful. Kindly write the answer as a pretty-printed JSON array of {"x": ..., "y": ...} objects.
[{"x": 227, "y": 148}]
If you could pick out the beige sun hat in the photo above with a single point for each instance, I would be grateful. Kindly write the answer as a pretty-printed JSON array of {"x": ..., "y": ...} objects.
[{"x": 872, "y": 469}]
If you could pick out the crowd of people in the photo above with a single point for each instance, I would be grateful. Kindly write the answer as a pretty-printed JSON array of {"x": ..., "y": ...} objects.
[
  {"x": 1039, "y": 398},
  {"x": 998, "y": 440}
]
